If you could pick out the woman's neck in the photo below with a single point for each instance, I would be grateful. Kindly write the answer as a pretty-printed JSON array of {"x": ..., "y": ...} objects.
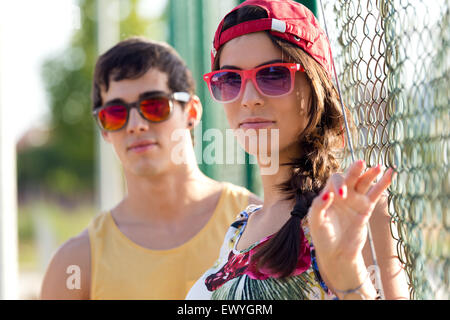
[
  {"x": 271, "y": 186},
  {"x": 271, "y": 182}
]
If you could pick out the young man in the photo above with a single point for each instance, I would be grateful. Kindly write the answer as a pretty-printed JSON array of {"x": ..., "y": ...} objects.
[{"x": 168, "y": 229}]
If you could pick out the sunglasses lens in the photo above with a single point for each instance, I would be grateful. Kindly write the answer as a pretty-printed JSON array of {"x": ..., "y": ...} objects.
[
  {"x": 225, "y": 86},
  {"x": 274, "y": 81},
  {"x": 156, "y": 109},
  {"x": 113, "y": 117}
]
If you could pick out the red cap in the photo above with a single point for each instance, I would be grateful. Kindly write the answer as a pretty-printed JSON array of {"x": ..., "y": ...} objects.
[{"x": 288, "y": 20}]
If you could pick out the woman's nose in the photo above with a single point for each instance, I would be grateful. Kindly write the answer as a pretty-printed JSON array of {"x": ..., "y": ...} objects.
[{"x": 251, "y": 96}]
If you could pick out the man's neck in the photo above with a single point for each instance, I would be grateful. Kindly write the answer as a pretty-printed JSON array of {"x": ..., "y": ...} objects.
[{"x": 166, "y": 197}]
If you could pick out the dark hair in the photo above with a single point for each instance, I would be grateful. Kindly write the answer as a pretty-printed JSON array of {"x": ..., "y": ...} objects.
[
  {"x": 321, "y": 143},
  {"x": 132, "y": 58}
]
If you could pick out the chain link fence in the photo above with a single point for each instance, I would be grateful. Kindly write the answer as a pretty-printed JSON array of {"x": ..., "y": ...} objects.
[{"x": 393, "y": 63}]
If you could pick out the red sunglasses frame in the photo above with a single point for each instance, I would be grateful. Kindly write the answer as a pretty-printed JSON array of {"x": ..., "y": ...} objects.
[
  {"x": 176, "y": 96},
  {"x": 251, "y": 74}
]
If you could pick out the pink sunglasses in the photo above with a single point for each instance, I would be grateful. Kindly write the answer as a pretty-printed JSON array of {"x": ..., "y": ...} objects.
[{"x": 272, "y": 80}]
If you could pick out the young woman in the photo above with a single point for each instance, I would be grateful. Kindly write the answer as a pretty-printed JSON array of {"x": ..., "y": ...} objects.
[{"x": 272, "y": 71}]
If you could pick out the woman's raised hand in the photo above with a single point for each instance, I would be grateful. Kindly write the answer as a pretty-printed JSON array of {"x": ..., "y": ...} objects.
[{"x": 338, "y": 218}]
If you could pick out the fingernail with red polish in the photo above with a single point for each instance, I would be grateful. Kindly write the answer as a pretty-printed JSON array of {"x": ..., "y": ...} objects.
[
  {"x": 326, "y": 196},
  {"x": 341, "y": 192}
]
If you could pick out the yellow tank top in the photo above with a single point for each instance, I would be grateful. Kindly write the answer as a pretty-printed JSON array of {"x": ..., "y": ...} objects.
[{"x": 122, "y": 269}]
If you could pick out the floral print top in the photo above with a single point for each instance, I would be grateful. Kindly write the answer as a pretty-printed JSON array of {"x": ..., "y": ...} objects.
[{"x": 234, "y": 276}]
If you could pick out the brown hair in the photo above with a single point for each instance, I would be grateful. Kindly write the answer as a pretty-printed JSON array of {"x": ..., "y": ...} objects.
[
  {"x": 321, "y": 141},
  {"x": 132, "y": 58}
]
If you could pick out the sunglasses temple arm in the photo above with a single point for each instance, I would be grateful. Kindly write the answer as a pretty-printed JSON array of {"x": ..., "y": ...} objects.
[{"x": 350, "y": 144}]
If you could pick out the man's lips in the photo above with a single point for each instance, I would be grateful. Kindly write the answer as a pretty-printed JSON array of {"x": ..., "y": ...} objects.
[
  {"x": 141, "y": 146},
  {"x": 256, "y": 123}
]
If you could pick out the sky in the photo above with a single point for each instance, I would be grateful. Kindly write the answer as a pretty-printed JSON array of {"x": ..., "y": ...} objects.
[{"x": 30, "y": 31}]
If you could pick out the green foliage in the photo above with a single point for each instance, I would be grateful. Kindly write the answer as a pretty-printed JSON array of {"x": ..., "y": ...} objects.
[
  {"x": 132, "y": 24},
  {"x": 65, "y": 163},
  {"x": 26, "y": 229}
]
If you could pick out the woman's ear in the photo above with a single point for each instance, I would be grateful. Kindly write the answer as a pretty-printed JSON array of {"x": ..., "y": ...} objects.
[{"x": 194, "y": 111}]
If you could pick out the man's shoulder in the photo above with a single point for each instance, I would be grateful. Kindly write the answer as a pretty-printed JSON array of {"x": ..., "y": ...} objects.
[
  {"x": 252, "y": 198},
  {"x": 71, "y": 257},
  {"x": 78, "y": 242},
  {"x": 76, "y": 250},
  {"x": 242, "y": 197}
]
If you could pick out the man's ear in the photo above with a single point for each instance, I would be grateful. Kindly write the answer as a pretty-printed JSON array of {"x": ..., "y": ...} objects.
[
  {"x": 194, "y": 111},
  {"x": 105, "y": 136}
]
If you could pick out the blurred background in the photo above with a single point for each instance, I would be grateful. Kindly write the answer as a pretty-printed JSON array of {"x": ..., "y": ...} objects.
[{"x": 56, "y": 173}]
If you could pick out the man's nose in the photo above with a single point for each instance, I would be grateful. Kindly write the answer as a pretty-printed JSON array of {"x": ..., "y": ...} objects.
[{"x": 136, "y": 123}]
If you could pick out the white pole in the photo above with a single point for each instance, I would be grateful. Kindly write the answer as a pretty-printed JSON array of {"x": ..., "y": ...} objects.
[
  {"x": 110, "y": 183},
  {"x": 9, "y": 266}
]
